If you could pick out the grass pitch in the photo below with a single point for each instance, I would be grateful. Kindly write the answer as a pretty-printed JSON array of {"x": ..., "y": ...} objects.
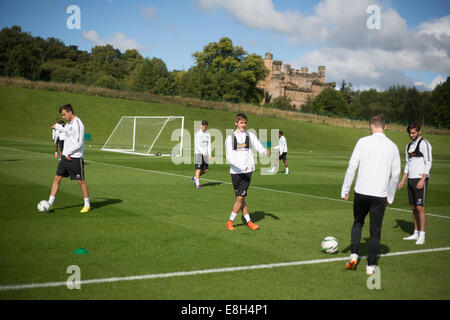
[{"x": 148, "y": 219}]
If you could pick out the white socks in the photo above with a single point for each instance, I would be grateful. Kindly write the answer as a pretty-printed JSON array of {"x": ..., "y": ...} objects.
[
  {"x": 247, "y": 217},
  {"x": 51, "y": 200},
  {"x": 421, "y": 239},
  {"x": 233, "y": 215},
  {"x": 86, "y": 202}
]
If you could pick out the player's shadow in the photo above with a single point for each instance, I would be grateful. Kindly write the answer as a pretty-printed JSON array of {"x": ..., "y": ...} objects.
[
  {"x": 363, "y": 249},
  {"x": 95, "y": 204},
  {"x": 257, "y": 216},
  {"x": 406, "y": 226},
  {"x": 212, "y": 184}
]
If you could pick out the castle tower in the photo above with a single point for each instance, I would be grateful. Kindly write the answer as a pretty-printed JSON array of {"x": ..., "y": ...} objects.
[
  {"x": 268, "y": 61},
  {"x": 304, "y": 71},
  {"x": 321, "y": 70}
]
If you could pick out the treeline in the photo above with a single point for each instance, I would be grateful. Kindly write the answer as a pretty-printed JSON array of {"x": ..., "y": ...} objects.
[
  {"x": 397, "y": 103},
  {"x": 221, "y": 72}
]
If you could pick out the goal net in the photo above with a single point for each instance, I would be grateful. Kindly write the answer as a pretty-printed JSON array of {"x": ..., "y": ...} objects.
[{"x": 147, "y": 135}]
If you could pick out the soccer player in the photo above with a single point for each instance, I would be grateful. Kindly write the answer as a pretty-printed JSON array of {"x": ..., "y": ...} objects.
[
  {"x": 283, "y": 151},
  {"x": 378, "y": 162},
  {"x": 238, "y": 147},
  {"x": 417, "y": 170},
  {"x": 202, "y": 153},
  {"x": 71, "y": 163},
  {"x": 58, "y": 136}
]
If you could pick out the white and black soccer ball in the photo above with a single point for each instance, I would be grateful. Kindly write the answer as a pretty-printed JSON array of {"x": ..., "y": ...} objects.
[
  {"x": 330, "y": 245},
  {"x": 43, "y": 206}
]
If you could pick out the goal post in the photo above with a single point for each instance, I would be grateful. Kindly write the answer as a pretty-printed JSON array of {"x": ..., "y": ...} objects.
[{"x": 146, "y": 135}]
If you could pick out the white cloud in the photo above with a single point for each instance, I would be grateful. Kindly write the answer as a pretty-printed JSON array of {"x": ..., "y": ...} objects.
[
  {"x": 117, "y": 40},
  {"x": 149, "y": 13},
  {"x": 373, "y": 58}
]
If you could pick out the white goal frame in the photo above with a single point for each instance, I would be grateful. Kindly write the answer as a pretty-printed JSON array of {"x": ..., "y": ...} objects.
[{"x": 132, "y": 150}]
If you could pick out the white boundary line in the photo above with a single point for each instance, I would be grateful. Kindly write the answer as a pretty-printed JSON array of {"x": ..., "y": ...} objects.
[
  {"x": 205, "y": 271},
  {"x": 224, "y": 182}
]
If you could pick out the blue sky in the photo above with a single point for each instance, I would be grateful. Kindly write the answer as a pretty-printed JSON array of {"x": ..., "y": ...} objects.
[{"x": 411, "y": 48}]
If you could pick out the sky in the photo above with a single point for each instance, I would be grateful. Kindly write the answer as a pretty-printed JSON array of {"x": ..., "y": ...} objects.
[{"x": 370, "y": 43}]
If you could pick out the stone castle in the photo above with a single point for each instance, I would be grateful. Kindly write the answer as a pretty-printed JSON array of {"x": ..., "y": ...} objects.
[{"x": 295, "y": 84}]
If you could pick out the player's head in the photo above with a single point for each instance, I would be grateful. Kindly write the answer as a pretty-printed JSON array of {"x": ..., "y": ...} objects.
[
  {"x": 58, "y": 120},
  {"x": 240, "y": 121},
  {"x": 377, "y": 123},
  {"x": 280, "y": 133},
  {"x": 204, "y": 125},
  {"x": 66, "y": 112},
  {"x": 414, "y": 130}
]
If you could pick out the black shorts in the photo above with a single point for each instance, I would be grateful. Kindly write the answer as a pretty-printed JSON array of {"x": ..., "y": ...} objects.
[
  {"x": 73, "y": 169},
  {"x": 201, "y": 162},
  {"x": 61, "y": 144},
  {"x": 416, "y": 197},
  {"x": 283, "y": 156},
  {"x": 241, "y": 182}
]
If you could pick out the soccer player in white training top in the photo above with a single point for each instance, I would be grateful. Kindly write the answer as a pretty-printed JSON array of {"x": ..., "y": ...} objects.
[
  {"x": 282, "y": 149},
  {"x": 378, "y": 162},
  {"x": 238, "y": 147},
  {"x": 202, "y": 153},
  {"x": 417, "y": 170},
  {"x": 58, "y": 136},
  {"x": 72, "y": 162}
]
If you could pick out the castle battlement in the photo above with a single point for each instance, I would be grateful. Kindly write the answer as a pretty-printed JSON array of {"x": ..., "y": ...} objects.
[{"x": 296, "y": 84}]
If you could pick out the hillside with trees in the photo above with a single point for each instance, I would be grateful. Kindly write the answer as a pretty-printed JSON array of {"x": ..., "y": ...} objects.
[{"x": 221, "y": 72}]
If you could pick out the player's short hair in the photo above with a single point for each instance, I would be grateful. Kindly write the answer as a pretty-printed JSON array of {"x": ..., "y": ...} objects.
[
  {"x": 281, "y": 132},
  {"x": 413, "y": 125},
  {"x": 378, "y": 121},
  {"x": 204, "y": 123},
  {"x": 240, "y": 116},
  {"x": 66, "y": 107}
]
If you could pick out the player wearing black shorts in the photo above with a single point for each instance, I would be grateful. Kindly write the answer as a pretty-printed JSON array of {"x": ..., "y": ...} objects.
[
  {"x": 202, "y": 153},
  {"x": 238, "y": 147},
  {"x": 71, "y": 163},
  {"x": 417, "y": 171}
]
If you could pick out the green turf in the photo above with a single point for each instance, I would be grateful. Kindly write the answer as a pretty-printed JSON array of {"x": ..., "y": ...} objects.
[{"x": 147, "y": 218}]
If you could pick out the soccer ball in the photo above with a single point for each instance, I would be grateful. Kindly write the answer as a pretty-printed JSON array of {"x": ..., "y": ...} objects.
[
  {"x": 330, "y": 245},
  {"x": 43, "y": 206}
]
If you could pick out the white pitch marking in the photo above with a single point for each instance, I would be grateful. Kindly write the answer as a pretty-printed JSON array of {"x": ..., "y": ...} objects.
[{"x": 206, "y": 271}]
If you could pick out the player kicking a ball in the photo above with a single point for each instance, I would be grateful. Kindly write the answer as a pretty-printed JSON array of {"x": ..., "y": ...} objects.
[
  {"x": 71, "y": 162},
  {"x": 240, "y": 156}
]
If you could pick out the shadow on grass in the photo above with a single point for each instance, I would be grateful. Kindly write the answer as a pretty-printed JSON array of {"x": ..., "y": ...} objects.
[
  {"x": 257, "y": 216},
  {"x": 363, "y": 249},
  {"x": 211, "y": 184},
  {"x": 95, "y": 204},
  {"x": 406, "y": 226}
]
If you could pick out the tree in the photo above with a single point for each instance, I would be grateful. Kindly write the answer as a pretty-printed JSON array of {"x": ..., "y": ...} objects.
[
  {"x": 224, "y": 71},
  {"x": 330, "y": 102}
]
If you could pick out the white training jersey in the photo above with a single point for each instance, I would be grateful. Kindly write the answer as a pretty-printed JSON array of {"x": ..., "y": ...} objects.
[
  {"x": 202, "y": 143},
  {"x": 58, "y": 132},
  {"x": 415, "y": 167},
  {"x": 282, "y": 146},
  {"x": 240, "y": 157},
  {"x": 74, "y": 139},
  {"x": 378, "y": 160}
]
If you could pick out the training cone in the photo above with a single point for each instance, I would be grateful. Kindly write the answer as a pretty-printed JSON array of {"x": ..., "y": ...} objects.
[{"x": 81, "y": 251}]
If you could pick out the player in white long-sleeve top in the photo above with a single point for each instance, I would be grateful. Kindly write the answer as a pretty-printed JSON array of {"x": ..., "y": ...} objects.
[
  {"x": 417, "y": 170},
  {"x": 58, "y": 136},
  {"x": 238, "y": 147},
  {"x": 71, "y": 163},
  {"x": 282, "y": 149},
  {"x": 202, "y": 152},
  {"x": 378, "y": 162}
]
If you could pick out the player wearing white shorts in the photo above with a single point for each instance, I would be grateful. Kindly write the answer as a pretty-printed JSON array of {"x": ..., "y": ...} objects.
[{"x": 417, "y": 170}]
